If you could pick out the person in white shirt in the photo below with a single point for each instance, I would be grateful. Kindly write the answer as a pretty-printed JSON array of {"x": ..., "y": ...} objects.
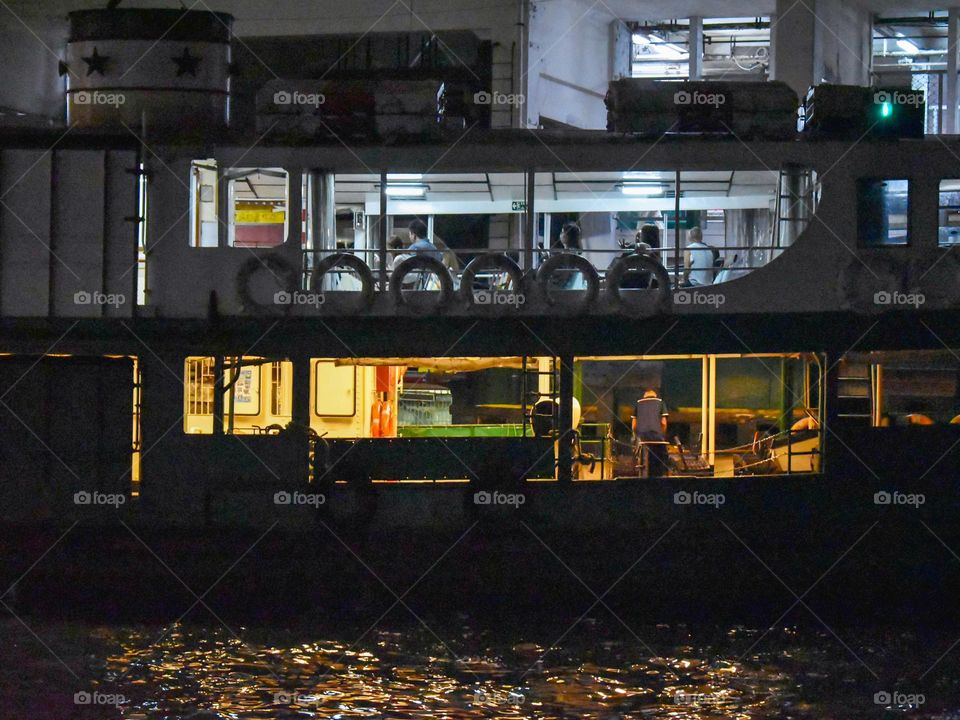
[{"x": 699, "y": 259}]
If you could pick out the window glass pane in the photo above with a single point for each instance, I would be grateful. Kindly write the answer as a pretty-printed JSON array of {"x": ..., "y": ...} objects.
[
  {"x": 258, "y": 207},
  {"x": 204, "y": 224},
  {"x": 883, "y": 212},
  {"x": 949, "y": 213},
  {"x": 258, "y": 402}
]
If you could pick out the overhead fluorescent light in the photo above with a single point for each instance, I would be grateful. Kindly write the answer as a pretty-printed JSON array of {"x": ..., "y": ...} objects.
[
  {"x": 406, "y": 191},
  {"x": 404, "y": 176},
  {"x": 671, "y": 50},
  {"x": 641, "y": 175},
  {"x": 907, "y": 46},
  {"x": 660, "y": 46},
  {"x": 642, "y": 189}
]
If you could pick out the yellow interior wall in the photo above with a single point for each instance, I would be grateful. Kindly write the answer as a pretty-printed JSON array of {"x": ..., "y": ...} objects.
[
  {"x": 247, "y": 424},
  {"x": 358, "y": 425}
]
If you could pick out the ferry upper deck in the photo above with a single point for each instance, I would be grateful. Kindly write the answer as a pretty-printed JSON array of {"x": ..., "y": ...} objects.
[{"x": 176, "y": 236}]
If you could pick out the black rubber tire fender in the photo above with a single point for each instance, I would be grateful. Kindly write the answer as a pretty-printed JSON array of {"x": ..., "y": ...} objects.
[
  {"x": 278, "y": 266},
  {"x": 422, "y": 262},
  {"x": 621, "y": 266},
  {"x": 569, "y": 261},
  {"x": 497, "y": 261},
  {"x": 346, "y": 260}
]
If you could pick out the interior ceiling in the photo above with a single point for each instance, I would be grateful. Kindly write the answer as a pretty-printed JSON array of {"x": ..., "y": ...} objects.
[
  {"x": 260, "y": 187},
  {"x": 661, "y": 9},
  {"x": 355, "y": 188}
]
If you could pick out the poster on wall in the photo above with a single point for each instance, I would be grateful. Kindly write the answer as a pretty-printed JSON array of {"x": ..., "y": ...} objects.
[{"x": 246, "y": 392}]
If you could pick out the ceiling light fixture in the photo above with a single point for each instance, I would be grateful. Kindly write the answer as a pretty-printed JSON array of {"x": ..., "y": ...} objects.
[
  {"x": 641, "y": 189},
  {"x": 406, "y": 191}
]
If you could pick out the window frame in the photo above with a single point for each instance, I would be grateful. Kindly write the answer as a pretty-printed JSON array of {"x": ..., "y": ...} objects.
[{"x": 861, "y": 182}]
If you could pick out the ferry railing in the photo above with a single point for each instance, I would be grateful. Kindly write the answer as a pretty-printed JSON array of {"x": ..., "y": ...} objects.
[{"x": 735, "y": 261}]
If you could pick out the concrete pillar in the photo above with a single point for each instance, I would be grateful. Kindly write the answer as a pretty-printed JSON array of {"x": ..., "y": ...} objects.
[
  {"x": 621, "y": 47},
  {"x": 382, "y": 231},
  {"x": 565, "y": 420},
  {"x": 953, "y": 36},
  {"x": 300, "y": 411},
  {"x": 219, "y": 384},
  {"x": 696, "y": 48},
  {"x": 793, "y": 45},
  {"x": 529, "y": 237}
]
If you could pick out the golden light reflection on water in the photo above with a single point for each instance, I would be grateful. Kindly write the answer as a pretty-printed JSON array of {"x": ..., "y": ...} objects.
[{"x": 211, "y": 674}]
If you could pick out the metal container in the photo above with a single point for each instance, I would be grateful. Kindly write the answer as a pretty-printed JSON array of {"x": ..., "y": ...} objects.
[{"x": 148, "y": 70}]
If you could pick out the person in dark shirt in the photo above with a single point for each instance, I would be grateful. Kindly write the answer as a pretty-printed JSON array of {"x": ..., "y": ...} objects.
[
  {"x": 570, "y": 242},
  {"x": 647, "y": 242},
  {"x": 650, "y": 429},
  {"x": 420, "y": 243}
]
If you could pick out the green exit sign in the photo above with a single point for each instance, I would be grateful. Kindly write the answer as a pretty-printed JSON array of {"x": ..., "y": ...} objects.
[{"x": 518, "y": 206}]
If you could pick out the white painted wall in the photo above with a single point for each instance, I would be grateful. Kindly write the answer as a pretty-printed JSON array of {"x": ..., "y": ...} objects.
[
  {"x": 28, "y": 65},
  {"x": 821, "y": 41},
  {"x": 570, "y": 62},
  {"x": 843, "y": 43}
]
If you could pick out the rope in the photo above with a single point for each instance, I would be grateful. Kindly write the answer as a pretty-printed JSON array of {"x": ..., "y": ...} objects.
[{"x": 749, "y": 446}]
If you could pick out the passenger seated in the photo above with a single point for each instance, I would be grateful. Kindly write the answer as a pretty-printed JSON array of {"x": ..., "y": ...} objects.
[
  {"x": 647, "y": 240},
  {"x": 450, "y": 260},
  {"x": 395, "y": 248},
  {"x": 700, "y": 260},
  {"x": 570, "y": 237},
  {"x": 420, "y": 244}
]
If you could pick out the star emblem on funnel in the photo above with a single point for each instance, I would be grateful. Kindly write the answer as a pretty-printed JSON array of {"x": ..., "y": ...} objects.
[
  {"x": 187, "y": 63},
  {"x": 96, "y": 63}
]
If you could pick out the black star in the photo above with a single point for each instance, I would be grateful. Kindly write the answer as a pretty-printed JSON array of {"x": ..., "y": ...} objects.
[
  {"x": 186, "y": 63},
  {"x": 96, "y": 63}
]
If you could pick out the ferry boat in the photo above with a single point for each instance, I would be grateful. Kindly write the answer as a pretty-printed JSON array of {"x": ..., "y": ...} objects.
[{"x": 224, "y": 328}]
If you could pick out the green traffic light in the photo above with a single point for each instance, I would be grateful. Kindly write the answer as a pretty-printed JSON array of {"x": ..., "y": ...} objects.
[{"x": 886, "y": 109}]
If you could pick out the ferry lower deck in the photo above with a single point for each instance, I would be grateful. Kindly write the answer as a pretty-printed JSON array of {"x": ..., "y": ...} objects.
[{"x": 284, "y": 406}]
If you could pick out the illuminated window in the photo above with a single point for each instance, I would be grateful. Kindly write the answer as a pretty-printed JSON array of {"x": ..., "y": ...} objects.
[
  {"x": 949, "y": 212},
  {"x": 257, "y": 398},
  {"x": 204, "y": 222},
  {"x": 199, "y": 385},
  {"x": 257, "y": 207},
  {"x": 277, "y": 396},
  {"x": 883, "y": 212}
]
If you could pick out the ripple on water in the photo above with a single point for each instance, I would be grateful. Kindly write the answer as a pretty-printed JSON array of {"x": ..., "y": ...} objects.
[{"x": 206, "y": 674}]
